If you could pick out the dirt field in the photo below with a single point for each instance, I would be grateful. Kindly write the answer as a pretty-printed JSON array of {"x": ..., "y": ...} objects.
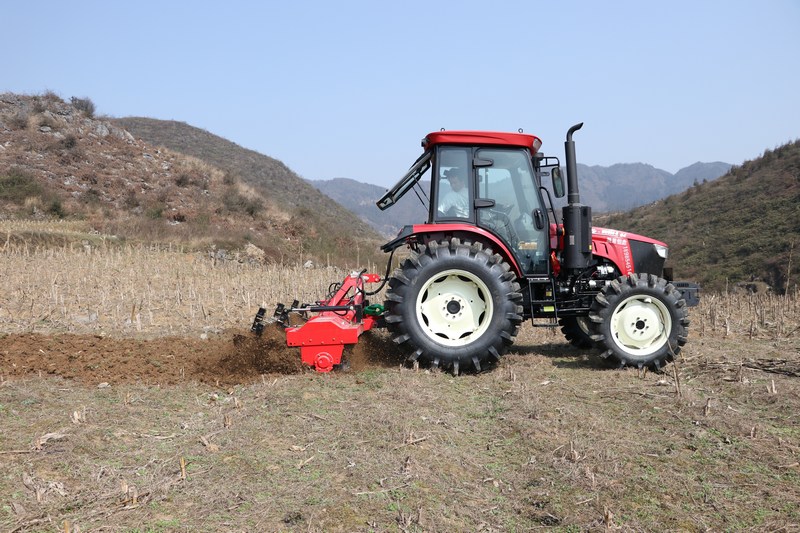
[
  {"x": 230, "y": 358},
  {"x": 123, "y": 417}
]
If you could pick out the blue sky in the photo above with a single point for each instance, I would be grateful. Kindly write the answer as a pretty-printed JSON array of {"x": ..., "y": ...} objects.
[{"x": 348, "y": 88}]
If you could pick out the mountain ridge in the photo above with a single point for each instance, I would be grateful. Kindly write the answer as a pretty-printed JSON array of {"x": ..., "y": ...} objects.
[{"x": 600, "y": 188}]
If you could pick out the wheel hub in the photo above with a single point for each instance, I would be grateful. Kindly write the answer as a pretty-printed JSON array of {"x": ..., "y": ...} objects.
[
  {"x": 641, "y": 325},
  {"x": 454, "y": 308}
]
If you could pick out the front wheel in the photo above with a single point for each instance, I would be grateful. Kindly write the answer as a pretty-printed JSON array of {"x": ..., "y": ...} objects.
[
  {"x": 455, "y": 304},
  {"x": 640, "y": 320}
]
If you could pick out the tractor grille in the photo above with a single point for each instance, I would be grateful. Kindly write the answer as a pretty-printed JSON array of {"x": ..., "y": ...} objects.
[{"x": 645, "y": 258}]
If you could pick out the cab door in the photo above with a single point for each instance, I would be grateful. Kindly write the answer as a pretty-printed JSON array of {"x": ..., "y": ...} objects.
[{"x": 508, "y": 204}]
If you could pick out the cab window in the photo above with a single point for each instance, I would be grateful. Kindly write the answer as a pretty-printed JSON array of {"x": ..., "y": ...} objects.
[{"x": 454, "y": 183}]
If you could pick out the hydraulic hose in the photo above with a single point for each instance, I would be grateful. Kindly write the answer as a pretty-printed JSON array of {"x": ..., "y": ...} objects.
[{"x": 385, "y": 277}]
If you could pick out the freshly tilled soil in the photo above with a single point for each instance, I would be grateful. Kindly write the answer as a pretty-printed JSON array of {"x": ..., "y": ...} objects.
[{"x": 232, "y": 357}]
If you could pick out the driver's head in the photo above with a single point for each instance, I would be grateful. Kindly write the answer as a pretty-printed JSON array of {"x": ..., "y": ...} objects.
[{"x": 456, "y": 178}]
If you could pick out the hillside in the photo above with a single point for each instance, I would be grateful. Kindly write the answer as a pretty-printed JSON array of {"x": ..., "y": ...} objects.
[
  {"x": 743, "y": 226},
  {"x": 59, "y": 161},
  {"x": 600, "y": 187},
  {"x": 327, "y": 227}
]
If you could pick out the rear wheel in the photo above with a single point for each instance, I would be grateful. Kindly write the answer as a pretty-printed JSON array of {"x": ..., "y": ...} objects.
[
  {"x": 577, "y": 330},
  {"x": 455, "y": 304},
  {"x": 640, "y": 320}
]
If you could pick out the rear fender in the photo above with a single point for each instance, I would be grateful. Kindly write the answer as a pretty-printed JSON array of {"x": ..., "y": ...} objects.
[{"x": 424, "y": 233}]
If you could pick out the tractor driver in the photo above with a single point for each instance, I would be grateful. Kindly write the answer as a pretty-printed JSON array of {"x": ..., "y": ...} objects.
[{"x": 455, "y": 202}]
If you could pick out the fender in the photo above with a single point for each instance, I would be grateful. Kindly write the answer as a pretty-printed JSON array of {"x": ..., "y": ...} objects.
[{"x": 424, "y": 233}]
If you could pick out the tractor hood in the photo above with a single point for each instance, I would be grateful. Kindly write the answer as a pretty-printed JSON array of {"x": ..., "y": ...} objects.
[
  {"x": 608, "y": 234},
  {"x": 629, "y": 251}
]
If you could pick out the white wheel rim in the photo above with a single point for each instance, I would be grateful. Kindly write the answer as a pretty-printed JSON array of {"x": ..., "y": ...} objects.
[
  {"x": 454, "y": 308},
  {"x": 641, "y": 325}
]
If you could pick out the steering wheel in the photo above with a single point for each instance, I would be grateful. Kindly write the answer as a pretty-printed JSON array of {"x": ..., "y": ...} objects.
[
  {"x": 503, "y": 209},
  {"x": 501, "y": 224},
  {"x": 501, "y": 217}
]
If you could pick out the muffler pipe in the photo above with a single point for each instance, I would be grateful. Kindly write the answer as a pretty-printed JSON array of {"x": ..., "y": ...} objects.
[
  {"x": 573, "y": 196},
  {"x": 577, "y": 218}
]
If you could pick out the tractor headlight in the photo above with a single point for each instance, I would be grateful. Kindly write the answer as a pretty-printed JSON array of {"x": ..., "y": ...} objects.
[{"x": 662, "y": 251}]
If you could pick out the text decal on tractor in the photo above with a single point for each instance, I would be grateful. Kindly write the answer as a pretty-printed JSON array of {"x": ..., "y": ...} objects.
[{"x": 494, "y": 252}]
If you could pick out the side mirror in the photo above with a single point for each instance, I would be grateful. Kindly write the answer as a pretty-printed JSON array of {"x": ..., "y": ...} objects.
[{"x": 558, "y": 182}]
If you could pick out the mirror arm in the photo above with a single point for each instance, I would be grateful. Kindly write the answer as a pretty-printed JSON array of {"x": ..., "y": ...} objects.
[{"x": 550, "y": 201}]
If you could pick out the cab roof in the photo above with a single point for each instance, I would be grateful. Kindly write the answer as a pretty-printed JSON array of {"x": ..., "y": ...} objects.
[
  {"x": 522, "y": 140},
  {"x": 469, "y": 138}
]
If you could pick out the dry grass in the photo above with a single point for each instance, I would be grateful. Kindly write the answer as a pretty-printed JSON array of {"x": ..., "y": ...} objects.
[
  {"x": 93, "y": 284},
  {"x": 755, "y": 315},
  {"x": 142, "y": 290},
  {"x": 548, "y": 439}
]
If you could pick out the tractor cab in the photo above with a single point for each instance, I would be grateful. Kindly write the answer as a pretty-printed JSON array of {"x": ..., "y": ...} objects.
[{"x": 488, "y": 180}]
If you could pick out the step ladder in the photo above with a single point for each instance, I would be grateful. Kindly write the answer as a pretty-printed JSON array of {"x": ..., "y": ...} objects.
[{"x": 547, "y": 304}]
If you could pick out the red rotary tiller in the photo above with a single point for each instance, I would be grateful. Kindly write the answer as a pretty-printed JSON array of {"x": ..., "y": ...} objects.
[{"x": 337, "y": 321}]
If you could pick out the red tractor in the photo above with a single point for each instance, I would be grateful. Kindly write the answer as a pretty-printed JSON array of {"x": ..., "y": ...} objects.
[{"x": 494, "y": 253}]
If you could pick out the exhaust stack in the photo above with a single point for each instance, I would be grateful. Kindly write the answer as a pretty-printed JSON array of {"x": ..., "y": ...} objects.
[
  {"x": 577, "y": 217},
  {"x": 573, "y": 196}
]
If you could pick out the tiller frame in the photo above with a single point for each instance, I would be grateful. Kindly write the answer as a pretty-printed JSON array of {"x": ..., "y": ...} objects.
[{"x": 338, "y": 321}]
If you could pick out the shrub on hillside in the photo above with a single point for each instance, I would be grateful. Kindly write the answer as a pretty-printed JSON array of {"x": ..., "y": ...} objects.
[
  {"x": 183, "y": 180},
  {"x": 69, "y": 141},
  {"x": 56, "y": 209},
  {"x": 19, "y": 120},
  {"x": 18, "y": 185},
  {"x": 84, "y": 105},
  {"x": 235, "y": 202},
  {"x": 51, "y": 97},
  {"x": 229, "y": 179},
  {"x": 91, "y": 197},
  {"x": 155, "y": 212}
]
